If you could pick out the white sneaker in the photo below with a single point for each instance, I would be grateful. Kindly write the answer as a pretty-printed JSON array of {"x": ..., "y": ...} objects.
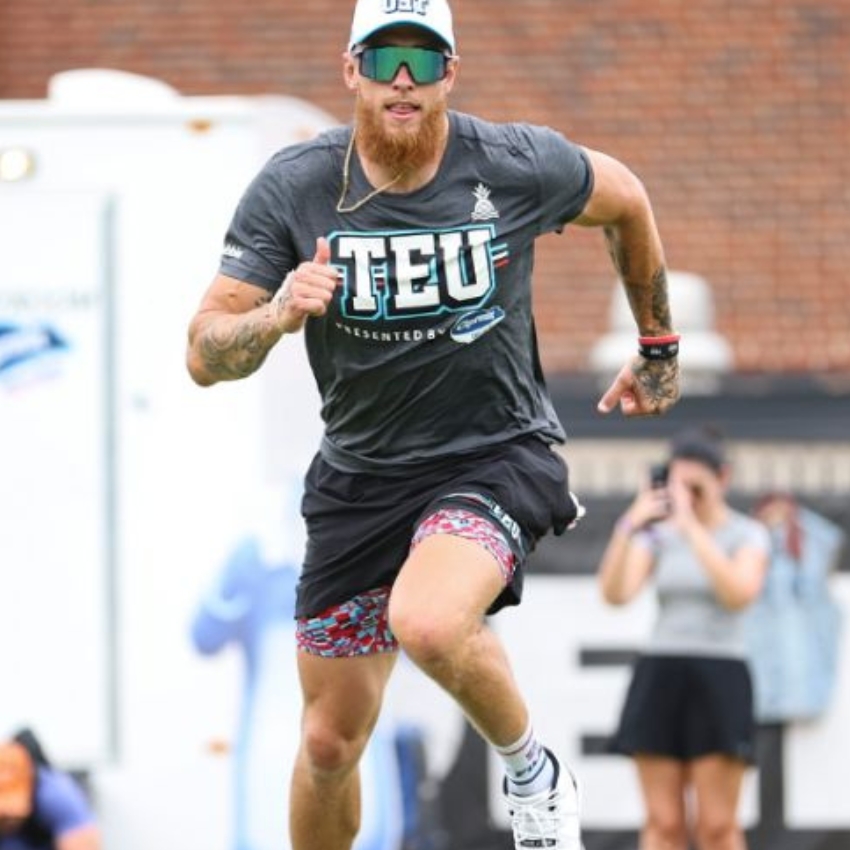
[{"x": 549, "y": 819}]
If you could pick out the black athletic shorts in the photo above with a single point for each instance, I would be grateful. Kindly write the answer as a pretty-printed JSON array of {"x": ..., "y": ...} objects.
[
  {"x": 685, "y": 707},
  {"x": 360, "y": 525}
]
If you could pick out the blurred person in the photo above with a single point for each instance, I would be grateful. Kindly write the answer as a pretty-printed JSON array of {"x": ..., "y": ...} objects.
[
  {"x": 41, "y": 807},
  {"x": 794, "y": 629},
  {"x": 250, "y": 607},
  {"x": 688, "y": 717},
  {"x": 403, "y": 247}
]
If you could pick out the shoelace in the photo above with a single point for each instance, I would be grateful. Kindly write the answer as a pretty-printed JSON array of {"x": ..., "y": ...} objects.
[{"x": 536, "y": 824}]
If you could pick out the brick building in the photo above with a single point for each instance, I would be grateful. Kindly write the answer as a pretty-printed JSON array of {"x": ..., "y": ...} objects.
[{"x": 735, "y": 114}]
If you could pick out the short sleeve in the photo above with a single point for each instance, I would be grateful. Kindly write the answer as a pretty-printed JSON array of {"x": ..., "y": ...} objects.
[
  {"x": 758, "y": 536},
  {"x": 60, "y": 804},
  {"x": 566, "y": 179},
  {"x": 257, "y": 246}
]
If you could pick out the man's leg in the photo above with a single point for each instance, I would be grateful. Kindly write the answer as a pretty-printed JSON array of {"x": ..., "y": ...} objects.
[
  {"x": 437, "y": 614},
  {"x": 437, "y": 610},
  {"x": 342, "y": 700}
]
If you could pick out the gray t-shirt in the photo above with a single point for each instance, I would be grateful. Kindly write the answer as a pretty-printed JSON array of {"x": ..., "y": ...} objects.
[
  {"x": 691, "y": 621},
  {"x": 429, "y": 347}
]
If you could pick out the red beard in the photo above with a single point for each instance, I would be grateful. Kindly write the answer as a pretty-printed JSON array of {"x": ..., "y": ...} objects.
[{"x": 403, "y": 150}]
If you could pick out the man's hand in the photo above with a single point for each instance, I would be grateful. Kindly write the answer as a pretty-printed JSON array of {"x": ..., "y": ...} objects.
[
  {"x": 643, "y": 388},
  {"x": 307, "y": 290},
  {"x": 237, "y": 323}
]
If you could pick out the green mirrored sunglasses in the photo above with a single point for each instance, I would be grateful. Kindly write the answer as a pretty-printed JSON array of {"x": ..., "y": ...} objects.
[{"x": 383, "y": 63}]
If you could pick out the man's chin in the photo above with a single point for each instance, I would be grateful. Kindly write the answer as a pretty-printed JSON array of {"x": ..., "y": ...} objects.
[
  {"x": 400, "y": 128},
  {"x": 400, "y": 144},
  {"x": 398, "y": 148}
]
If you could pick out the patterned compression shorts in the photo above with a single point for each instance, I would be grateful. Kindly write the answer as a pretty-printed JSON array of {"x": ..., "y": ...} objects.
[{"x": 360, "y": 626}]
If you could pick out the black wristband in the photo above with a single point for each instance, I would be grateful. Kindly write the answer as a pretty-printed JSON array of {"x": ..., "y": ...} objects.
[{"x": 658, "y": 347}]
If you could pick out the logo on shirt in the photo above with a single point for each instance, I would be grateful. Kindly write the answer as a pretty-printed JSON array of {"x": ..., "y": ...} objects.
[
  {"x": 231, "y": 250},
  {"x": 413, "y": 274},
  {"x": 484, "y": 209},
  {"x": 475, "y": 324}
]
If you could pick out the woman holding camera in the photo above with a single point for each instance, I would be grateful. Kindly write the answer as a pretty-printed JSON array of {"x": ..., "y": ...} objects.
[{"x": 688, "y": 719}]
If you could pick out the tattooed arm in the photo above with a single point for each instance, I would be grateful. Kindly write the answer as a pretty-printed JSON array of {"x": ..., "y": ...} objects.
[
  {"x": 233, "y": 330},
  {"x": 619, "y": 204},
  {"x": 238, "y": 323}
]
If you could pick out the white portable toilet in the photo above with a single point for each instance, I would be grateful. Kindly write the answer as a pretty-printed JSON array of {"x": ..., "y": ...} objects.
[{"x": 124, "y": 482}]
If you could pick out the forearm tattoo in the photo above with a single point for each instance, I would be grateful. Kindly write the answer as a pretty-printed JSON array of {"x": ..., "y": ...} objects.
[
  {"x": 648, "y": 298},
  {"x": 235, "y": 346},
  {"x": 660, "y": 300}
]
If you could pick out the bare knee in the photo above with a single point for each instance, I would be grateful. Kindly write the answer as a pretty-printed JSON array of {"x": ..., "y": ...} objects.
[
  {"x": 330, "y": 751},
  {"x": 665, "y": 831},
  {"x": 718, "y": 833},
  {"x": 428, "y": 642}
]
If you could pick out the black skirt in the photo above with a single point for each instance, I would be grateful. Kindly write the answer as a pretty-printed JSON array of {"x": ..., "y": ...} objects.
[{"x": 685, "y": 707}]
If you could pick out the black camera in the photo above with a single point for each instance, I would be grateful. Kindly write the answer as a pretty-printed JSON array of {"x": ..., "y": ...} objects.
[{"x": 658, "y": 474}]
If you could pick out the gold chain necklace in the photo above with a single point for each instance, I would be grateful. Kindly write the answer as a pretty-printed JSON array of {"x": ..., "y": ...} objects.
[{"x": 346, "y": 171}]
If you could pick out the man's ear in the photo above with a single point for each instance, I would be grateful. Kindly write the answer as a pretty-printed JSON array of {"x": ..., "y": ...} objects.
[
  {"x": 452, "y": 72},
  {"x": 349, "y": 72}
]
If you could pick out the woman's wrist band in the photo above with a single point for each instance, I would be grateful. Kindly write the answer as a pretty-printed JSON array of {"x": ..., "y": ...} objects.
[
  {"x": 625, "y": 526},
  {"x": 658, "y": 347}
]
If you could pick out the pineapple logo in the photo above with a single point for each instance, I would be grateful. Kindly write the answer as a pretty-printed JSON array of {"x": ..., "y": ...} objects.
[{"x": 484, "y": 209}]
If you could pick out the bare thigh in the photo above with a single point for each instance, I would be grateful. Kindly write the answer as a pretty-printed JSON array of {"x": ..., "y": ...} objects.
[
  {"x": 663, "y": 784},
  {"x": 342, "y": 702},
  {"x": 448, "y": 582},
  {"x": 717, "y": 782}
]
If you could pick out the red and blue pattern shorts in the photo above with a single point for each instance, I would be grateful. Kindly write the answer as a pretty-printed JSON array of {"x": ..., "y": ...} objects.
[
  {"x": 361, "y": 527},
  {"x": 360, "y": 625}
]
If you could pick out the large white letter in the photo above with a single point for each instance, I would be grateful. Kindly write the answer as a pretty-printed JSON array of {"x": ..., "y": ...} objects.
[
  {"x": 450, "y": 245},
  {"x": 417, "y": 285},
  {"x": 364, "y": 250}
]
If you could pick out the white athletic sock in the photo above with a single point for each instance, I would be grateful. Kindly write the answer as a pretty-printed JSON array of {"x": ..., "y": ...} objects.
[{"x": 527, "y": 765}]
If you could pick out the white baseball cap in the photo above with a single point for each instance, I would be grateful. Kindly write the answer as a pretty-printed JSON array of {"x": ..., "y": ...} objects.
[{"x": 371, "y": 16}]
